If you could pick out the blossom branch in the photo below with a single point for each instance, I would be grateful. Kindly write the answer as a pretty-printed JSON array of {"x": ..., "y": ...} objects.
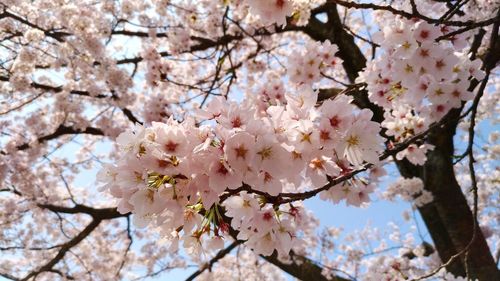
[
  {"x": 60, "y": 131},
  {"x": 64, "y": 249},
  {"x": 414, "y": 14},
  {"x": 208, "y": 265},
  {"x": 302, "y": 268}
]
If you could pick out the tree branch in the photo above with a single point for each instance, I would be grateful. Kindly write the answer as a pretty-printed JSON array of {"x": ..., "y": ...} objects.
[
  {"x": 64, "y": 249},
  {"x": 221, "y": 254},
  {"x": 301, "y": 268}
]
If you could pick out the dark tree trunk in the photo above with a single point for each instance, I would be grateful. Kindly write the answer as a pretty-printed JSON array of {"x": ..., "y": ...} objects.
[{"x": 448, "y": 217}]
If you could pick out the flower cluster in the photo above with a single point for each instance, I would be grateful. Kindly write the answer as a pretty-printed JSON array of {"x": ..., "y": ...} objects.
[
  {"x": 157, "y": 108},
  {"x": 155, "y": 67},
  {"x": 306, "y": 67},
  {"x": 184, "y": 177},
  {"x": 409, "y": 190},
  {"x": 277, "y": 11},
  {"x": 417, "y": 80},
  {"x": 271, "y": 11},
  {"x": 270, "y": 93}
]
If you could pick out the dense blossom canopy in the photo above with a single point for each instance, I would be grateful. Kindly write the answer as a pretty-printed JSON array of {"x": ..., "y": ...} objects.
[{"x": 143, "y": 136}]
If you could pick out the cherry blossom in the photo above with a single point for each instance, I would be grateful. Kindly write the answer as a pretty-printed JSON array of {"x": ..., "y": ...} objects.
[{"x": 213, "y": 129}]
